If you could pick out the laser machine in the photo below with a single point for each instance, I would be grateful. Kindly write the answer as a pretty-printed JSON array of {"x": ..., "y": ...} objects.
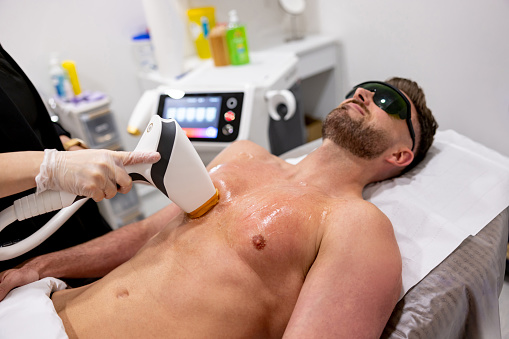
[{"x": 218, "y": 105}]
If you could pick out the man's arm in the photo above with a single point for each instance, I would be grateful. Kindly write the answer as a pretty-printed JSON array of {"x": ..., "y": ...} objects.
[
  {"x": 355, "y": 281},
  {"x": 94, "y": 258}
]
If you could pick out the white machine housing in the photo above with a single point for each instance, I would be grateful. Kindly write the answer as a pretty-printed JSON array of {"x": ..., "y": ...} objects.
[{"x": 260, "y": 100}]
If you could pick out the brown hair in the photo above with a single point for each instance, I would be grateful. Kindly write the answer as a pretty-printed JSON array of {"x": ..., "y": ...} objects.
[{"x": 427, "y": 122}]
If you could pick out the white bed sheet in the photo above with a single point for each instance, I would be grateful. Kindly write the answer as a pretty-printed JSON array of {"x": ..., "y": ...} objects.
[{"x": 457, "y": 190}]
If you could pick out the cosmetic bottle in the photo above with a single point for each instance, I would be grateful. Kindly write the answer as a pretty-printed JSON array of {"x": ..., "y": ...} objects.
[
  {"x": 201, "y": 22},
  {"x": 57, "y": 77},
  {"x": 72, "y": 75},
  {"x": 236, "y": 40},
  {"x": 218, "y": 46},
  {"x": 59, "y": 80}
]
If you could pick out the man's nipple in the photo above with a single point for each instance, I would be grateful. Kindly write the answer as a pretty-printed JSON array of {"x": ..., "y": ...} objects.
[{"x": 259, "y": 242}]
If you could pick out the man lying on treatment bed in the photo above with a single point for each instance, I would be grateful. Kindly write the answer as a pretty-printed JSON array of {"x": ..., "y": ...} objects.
[{"x": 289, "y": 250}]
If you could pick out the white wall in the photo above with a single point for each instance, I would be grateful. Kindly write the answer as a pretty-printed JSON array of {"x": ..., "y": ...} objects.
[
  {"x": 457, "y": 49},
  {"x": 94, "y": 33}
]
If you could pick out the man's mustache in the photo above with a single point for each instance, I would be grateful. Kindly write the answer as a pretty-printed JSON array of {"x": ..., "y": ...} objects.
[{"x": 357, "y": 102}]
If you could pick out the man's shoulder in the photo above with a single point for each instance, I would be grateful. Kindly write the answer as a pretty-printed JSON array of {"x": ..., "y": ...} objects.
[
  {"x": 360, "y": 221},
  {"x": 360, "y": 231},
  {"x": 358, "y": 211}
]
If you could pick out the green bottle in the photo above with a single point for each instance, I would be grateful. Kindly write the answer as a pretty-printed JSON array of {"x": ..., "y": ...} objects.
[{"x": 236, "y": 40}]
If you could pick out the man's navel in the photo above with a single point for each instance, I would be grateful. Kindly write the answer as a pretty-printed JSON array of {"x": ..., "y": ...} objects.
[{"x": 122, "y": 293}]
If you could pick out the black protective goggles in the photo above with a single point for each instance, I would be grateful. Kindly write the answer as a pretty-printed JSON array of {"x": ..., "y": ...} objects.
[{"x": 389, "y": 99}]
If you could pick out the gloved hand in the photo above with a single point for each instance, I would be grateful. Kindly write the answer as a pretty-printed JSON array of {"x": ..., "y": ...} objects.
[{"x": 92, "y": 173}]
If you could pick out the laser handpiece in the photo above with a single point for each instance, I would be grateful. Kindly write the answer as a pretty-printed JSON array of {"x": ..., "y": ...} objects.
[{"x": 180, "y": 174}]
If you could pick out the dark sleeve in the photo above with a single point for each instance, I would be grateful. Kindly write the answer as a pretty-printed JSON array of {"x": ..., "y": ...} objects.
[{"x": 60, "y": 130}]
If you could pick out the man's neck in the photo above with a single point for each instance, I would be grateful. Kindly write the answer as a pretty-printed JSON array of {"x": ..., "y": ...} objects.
[{"x": 335, "y": 170}]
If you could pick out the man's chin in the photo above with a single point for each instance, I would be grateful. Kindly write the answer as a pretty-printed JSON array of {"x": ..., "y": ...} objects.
[{"x": 352, "y": 135}]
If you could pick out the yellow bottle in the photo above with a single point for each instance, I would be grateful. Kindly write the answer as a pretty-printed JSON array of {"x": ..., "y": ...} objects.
[
  {"x": 201, "y": 22},
  {"x": 70, "y": 67}
]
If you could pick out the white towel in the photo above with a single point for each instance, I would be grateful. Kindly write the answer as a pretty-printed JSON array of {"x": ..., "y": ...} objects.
[{"x": 27, "y": 312}]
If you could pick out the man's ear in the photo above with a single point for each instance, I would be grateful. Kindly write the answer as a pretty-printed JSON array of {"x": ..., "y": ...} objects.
[{"x": 401, "y": 158}]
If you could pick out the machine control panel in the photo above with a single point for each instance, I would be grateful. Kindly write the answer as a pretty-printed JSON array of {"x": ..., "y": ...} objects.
[{"x": 205, "y": 117}]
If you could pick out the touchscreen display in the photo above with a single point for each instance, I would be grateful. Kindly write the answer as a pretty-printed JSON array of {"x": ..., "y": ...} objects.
[{"x": 197, "y": 115}]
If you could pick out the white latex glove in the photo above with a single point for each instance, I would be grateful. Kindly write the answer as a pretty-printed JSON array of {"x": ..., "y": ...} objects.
[{"x": 93, "y": 173}]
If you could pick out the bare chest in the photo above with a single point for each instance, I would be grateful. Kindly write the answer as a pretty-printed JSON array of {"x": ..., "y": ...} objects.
[{"x": 271, "y": 222}]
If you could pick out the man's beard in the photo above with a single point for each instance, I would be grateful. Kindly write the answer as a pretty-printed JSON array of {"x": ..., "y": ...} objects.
[{"x": 355, "y": 136}]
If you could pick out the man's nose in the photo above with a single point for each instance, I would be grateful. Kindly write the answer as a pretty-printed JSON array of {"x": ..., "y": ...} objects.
[{"x": 363, "y": 95}]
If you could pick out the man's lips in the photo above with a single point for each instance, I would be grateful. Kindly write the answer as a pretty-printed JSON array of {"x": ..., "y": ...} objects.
[{"x": 358, "y": 108}]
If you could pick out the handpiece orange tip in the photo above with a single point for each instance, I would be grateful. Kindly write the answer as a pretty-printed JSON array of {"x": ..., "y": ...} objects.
[
  {"x": 207, "y": 206},
  {"x": 133, "y": 130}
]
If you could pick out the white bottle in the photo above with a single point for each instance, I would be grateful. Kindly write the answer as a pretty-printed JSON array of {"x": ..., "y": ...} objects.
[
  {"x": 60, "y": 79},
  {"x": 57, "y": 77}
]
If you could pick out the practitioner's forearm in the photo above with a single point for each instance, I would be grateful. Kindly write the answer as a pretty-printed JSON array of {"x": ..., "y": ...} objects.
[{"x": 19, "y": 170}]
